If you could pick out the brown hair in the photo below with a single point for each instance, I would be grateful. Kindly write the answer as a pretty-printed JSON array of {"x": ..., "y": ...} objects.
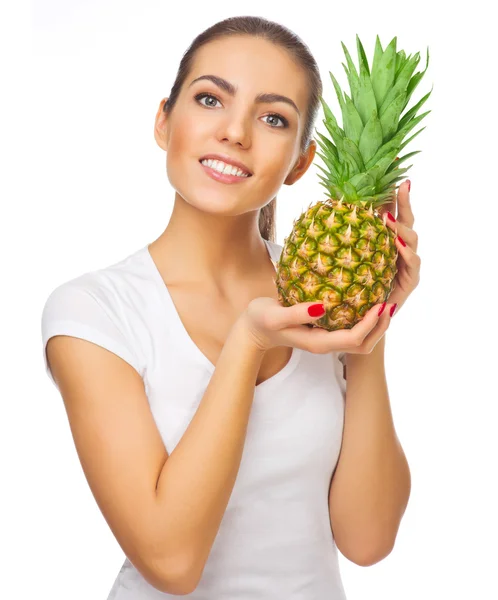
[{"x": 281, "y": 36}]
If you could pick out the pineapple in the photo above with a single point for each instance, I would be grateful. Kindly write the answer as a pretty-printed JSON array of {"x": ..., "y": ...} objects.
[{"x": 340, "y": 252}]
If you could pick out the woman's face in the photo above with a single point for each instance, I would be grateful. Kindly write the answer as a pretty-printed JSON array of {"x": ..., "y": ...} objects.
[{"x": 208, "y": 119}]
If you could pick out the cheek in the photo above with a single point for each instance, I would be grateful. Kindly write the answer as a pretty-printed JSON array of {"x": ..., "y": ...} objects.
[
  {"x": 278, "y": 156},
  {"x": 182, "y": 152},
  {"x": 275, "y": 171},
  {"x": 184, "y": 138}
]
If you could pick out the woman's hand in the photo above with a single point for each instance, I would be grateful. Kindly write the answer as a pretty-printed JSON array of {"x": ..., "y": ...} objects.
[
  {"x": 270, "y": 324},
  {"x": 408, "y": 275}
]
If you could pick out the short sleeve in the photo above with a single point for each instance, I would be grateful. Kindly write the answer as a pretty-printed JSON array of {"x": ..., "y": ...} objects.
[{"x": 73, "y": 310}]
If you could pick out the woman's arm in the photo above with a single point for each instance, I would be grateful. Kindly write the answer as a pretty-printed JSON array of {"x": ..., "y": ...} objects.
[
  {"x": 371, "y": 485},
  {"x": 196, "y": 481},
  {"x": 164, "y": 510}
]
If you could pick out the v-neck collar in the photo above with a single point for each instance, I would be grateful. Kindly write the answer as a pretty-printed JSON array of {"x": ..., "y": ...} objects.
[{"x": 185, "y": 337}]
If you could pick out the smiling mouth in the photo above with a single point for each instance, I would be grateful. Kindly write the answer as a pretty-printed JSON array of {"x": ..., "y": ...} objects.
[{"x": 216, "y": 170}]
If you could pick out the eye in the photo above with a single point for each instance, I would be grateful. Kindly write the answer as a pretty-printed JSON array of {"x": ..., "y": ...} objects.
[
  {"x": 199, "y": 97},
  {"x": 285, "y": 123}
]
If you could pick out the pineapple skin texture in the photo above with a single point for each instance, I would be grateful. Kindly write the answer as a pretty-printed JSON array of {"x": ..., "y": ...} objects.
[{"x": 340, "y": 254}]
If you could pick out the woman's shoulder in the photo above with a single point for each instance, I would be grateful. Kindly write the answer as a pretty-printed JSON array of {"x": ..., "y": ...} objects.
[
  {"x": 101, "y": 305},
  {"x": 105, "y": 284}
]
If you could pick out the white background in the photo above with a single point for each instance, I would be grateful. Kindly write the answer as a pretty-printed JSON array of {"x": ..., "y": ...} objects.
[{"x": 84, "y": 184}]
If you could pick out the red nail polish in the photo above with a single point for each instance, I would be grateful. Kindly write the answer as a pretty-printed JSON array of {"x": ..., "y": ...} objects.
[
  {"x": 315, "y": 310},
  {"x": 390, "y": 216},
  {"x": 409, "y": 184},
  {"x": 393, "y": 308},
  {"x": 402, "y": 241},
  {"x": 381, "y": 309}
]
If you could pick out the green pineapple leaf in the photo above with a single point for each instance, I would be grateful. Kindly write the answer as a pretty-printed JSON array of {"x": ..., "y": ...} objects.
[
  {"x": 350, "y": 191},
  {"x": 353, "y": 86},
  {"x": 383, "y": 165},
  {"x": 352, "y": 149},
  {"x": 331, "y": 149},
  {"x": 361, "y": 161},
  {"x": 375, "y": 173},
  {"x": 395, "y": 141},
  {"x": 347, "y": 163},
  {"x": 410, "y": 139},
  {"x": 351, "y": 120},
  {"x": 368, "y": 190},
  {"x": 353, "y": 125},
  {"x": 371, "y": 138},
  {"x": 330, "y": 161},
  {"x": 361, "y": 180},
  {"x": 375, "y": 66},
  {"x": 414, "y": 81},
  {"x": 365, "y": 102},
  {"x": 353, "y": 77},
  {"x": 397, "y": 179},
  {"x": 326, "y": 145},
  {"x": 400, "y": 63},
  {"x": 338, "y": 91},
  {"x": 326, "y": 182},
  {"x": 395, "y": 164},
  {"x": 362, "y": 57},
  {"x": 385, "y": 72},
  {"x": 335, "y": 132},
  {"x": 401, "y": 82},
  {"x": 389, "y": 119},
  {"x": 413, "y": 111},
  {"x": 332, "y": 126},
  {"x": 331, "y": 166},
  {"x": 326, "y": 110},
  {"x": 390, "y": 177},
  {"x": 321, "y": 144}
]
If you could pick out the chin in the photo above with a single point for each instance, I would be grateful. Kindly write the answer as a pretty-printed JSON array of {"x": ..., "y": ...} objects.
[{"x": 208, "y": 201}]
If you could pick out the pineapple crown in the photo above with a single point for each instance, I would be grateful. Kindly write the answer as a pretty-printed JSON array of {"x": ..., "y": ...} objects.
[{"x": 362, "y": 159}]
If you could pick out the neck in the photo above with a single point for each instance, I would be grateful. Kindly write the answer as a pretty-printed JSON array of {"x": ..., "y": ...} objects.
[{"x": 208, "y": 250}]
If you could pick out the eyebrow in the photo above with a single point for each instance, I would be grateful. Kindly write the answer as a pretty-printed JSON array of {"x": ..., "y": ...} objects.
[{"x": 229, "y": 88}]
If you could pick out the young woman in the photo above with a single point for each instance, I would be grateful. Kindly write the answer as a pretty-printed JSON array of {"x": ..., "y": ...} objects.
[{"x": 209, "y": 419}]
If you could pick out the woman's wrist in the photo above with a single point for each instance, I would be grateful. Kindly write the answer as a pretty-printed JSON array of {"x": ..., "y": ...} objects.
[{"x": 242, "y": 330}]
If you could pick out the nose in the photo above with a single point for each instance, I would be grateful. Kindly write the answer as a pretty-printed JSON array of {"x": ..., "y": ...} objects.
[{"x": 236, "y": 130}]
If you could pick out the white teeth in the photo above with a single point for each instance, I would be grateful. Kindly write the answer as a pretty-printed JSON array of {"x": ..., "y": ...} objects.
[{"x": 222, "y": 167}]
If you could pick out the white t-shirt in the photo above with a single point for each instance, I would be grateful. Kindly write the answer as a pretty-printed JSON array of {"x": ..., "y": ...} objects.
[{"x": 275, "y": 539}]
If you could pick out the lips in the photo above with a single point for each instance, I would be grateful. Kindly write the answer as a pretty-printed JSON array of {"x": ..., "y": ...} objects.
[{"x": 227, "y": 160}]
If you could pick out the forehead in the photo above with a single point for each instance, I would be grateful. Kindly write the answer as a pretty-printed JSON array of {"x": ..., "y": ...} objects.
[{"x": 253, "y": 65}]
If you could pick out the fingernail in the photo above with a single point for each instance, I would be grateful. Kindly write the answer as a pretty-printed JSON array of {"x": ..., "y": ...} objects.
[
  {"x": 390, "y": 216},
  {"x": 409, "y": 184},
  {"x": 381, "y": 310},
  {"x": 393, "y": 308},
  {"x": 315, "y": 310},
  {"x": 402, "y": 241}
]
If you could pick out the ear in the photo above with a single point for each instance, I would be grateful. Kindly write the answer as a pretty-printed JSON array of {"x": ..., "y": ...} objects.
[
  {"x": 302, "y": 164},
  {"x": 161, "y": 126}
]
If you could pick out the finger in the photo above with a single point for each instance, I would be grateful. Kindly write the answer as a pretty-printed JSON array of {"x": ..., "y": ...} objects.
[
  {"x": 361, "y": 330},
  {"x": 407, "y": 235},
  {"x": 390, "y": 206},
  {"x": 322, "y": 341},
  {"x": 287, "y": 316},
  {"x": 405, "y": 213},
  {"x": 377, "y": 333},
  {"x": 411, "y": 259}
]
